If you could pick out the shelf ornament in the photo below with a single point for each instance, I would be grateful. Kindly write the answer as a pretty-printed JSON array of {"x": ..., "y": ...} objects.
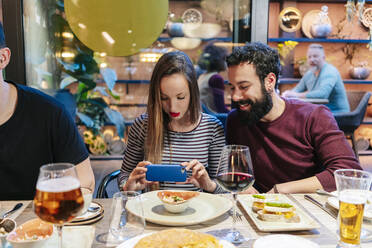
[
  {"x": 351, "y": 9},
  {"x": 321, "y": 26},
  {"x": 290, "y": 19},
  {"x": 367, "y": 21}
]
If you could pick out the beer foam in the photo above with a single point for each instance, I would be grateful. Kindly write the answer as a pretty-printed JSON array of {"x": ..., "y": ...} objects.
[
  {"x": 55, "y": 185},
  {"x": 353, "y": 196}
]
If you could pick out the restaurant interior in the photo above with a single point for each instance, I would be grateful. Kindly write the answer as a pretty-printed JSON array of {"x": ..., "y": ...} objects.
[{"x": 104, "y": 52}]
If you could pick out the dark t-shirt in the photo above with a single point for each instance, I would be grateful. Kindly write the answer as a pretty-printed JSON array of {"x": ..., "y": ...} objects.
[
  {"x": 303, "y": 142},
  {"x": 39, "y": 132}
]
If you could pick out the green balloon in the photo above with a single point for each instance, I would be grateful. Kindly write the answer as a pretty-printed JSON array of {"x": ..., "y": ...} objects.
[{"x": 117, "y": 27}]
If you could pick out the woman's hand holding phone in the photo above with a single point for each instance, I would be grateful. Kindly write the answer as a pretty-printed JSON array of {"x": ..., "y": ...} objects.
[
  {"x": 137, "y": 179},
  {"x": 200, "y": 177}
]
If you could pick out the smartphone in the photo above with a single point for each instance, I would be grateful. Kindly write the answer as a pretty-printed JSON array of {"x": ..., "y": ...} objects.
[{"x": 166, "y": 173}]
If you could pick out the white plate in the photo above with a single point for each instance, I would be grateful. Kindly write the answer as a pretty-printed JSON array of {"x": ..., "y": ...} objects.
[
  {"x": 202, "y": 208},
  {"x": 130, "y": 243},
  {"x": 90, "y": 215},
  {"x": 306, "y": 222},
  {"x": 284, "y": 241},
  {"x": 333, "y": 201}
]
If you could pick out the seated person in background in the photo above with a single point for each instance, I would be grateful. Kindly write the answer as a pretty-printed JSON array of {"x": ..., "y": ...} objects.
[
  {"x": 322, "y": 80},
  {"x": 174, "y": 130},
  {"x": 35, "y": 129},
  {"x": 211, "y": 83},
  {"x": 295, "y": 146}
]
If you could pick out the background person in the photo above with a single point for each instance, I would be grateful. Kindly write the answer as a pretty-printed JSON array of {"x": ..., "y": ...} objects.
[
  {"x": 322, "y": 80},
  {"x": 173, "y": 131},
  {"x": 35, "y": 129},
  {"x": 211, "y": 83},
  {"x": 295, "y": 146}
]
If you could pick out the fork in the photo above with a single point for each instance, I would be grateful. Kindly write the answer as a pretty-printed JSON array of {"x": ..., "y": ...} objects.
[{"x": 238, "y": 215}]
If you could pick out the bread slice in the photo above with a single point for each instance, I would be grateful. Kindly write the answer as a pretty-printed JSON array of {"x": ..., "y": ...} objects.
[{"x": 278, "y": 214}]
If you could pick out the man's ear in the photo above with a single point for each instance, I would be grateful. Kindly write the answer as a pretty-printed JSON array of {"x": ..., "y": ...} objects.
[
  {"x": 270, "y": 81},
  {"x": 4, "y": 57}
]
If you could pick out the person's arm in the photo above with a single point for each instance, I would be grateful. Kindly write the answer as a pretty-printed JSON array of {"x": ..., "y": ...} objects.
[
  {"x": 216, "y": 83},
  {"x": 134, "y": 152},
  {"x": 85, "y": 174},
  {"x": 214, "y": 152},
  {"x": 299, "y": 90},
  {"x": 332, "y": 152},
  {"x": 326, "y": 82},
  {"x": 307, "y": 185},
  {"x": 68, "y": 146}
]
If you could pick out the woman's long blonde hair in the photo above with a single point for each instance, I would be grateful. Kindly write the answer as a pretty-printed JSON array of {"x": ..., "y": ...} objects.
[{"x": 158, "y": 121}]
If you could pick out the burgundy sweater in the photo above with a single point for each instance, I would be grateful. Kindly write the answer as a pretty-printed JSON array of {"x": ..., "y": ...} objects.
[{"x": 304, "y": 141}]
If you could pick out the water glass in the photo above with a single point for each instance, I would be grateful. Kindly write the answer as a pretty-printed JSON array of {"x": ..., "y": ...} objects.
[
  {"x": 353, "y": 188},
  {"x": 88, "y": 196},
  {"x": 124, "y": 224}
]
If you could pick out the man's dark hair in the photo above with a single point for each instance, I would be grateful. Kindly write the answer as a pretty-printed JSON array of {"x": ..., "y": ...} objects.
[
  {"x": 264, "y": 58},
  {"x": 2, "y": 36},
  {"x": 213, "y": 58}
]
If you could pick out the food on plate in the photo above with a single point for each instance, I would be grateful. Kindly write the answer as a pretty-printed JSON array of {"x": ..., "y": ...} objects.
[
  {"x": 32, "y": 233},
  {"x": 176, "y": 197},
  {"x": 176, "y": 201},
  {"x": 258, "y": 202},
  {"x": 278, "y": 212},
  {"x": 180, "y": 238}
]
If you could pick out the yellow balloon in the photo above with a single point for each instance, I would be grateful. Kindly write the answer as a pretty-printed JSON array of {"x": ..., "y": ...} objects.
[{"x": 117, "y": 27}]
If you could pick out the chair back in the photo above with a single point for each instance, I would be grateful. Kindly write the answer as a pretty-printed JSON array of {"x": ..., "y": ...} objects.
[
  {"x": 350, "y": 121},
  {"x": 101, "y": 191},
  {"x": 221, "y": 116}
]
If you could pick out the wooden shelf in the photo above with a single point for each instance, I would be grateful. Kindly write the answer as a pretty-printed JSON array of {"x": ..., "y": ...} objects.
[
  {"x": 355, "y": 41},
  {"x": 346, "y": 81},
  {"x": 224, "y": 39}
]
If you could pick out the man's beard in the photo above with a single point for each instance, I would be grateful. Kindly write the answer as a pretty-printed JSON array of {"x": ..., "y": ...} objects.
[{"x": 258, "y": 109}]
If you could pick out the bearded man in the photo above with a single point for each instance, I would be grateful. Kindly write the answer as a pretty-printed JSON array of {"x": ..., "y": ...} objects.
[
  {"x": 322, "y": 80},
  {"x": 295, "y": 146}
]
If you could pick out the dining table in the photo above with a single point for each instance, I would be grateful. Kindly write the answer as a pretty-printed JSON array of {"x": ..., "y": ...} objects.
[
  {"x": 325, "y": 235},
  {"x": 315, "y": 100}
]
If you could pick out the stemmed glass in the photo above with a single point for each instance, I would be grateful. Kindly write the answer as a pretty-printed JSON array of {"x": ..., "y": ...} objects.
[
  {"x": 58, "y": 197},
  {"x": 235, "y": 174}
]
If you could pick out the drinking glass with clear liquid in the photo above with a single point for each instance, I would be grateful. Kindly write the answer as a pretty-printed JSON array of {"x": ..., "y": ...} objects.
[
  {"x": 352, "y": 187},
  {"x": 58, "y": 197}
]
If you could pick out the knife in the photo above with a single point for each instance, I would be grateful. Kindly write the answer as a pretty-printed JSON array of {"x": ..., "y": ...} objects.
[{"x": 330, "y": 212}]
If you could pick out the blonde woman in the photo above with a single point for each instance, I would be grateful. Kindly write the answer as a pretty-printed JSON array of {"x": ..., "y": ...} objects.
[{"x": 174, "y": 130}]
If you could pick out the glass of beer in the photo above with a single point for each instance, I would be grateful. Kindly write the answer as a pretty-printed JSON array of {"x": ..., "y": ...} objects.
[
  {"x": 58, "y": 197},
  {"x": 352, "y": 187}
]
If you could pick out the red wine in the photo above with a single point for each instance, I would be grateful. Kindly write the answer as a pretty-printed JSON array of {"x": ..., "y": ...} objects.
[{"x": 235, "y": 181}]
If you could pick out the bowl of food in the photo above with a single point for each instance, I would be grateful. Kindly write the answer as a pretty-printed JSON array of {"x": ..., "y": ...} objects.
[
  {"x": 31, "y": 234},
  {"x": 176, "y": 201}
]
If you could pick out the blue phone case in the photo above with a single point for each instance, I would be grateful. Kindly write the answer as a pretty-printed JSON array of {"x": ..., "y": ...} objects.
[{"x": 166, "y": 173}]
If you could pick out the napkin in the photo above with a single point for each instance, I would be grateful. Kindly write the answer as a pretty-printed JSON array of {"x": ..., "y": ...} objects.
[{"x": 73, "y": 237}]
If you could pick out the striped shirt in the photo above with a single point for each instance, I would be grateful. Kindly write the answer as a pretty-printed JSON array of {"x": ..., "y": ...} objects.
[{"x": 204, "y": 144}]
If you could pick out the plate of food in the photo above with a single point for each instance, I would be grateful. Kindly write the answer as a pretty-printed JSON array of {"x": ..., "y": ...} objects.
[
  {"x": 178, "y": 238},
  {"x": 200, "y": 208},
  {"x": 333, "y": 201},
  {"x": 275, "y": 212}
]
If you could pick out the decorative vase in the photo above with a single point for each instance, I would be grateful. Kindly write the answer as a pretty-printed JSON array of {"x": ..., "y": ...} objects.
[
  {"x": 359, "y": 72},
  {"x": 321, "y": 30}
]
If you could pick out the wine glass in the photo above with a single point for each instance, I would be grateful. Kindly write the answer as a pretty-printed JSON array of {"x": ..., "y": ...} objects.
[
  {"x": 235, "y": 174},
  {"x": 58, "y": 197}
]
